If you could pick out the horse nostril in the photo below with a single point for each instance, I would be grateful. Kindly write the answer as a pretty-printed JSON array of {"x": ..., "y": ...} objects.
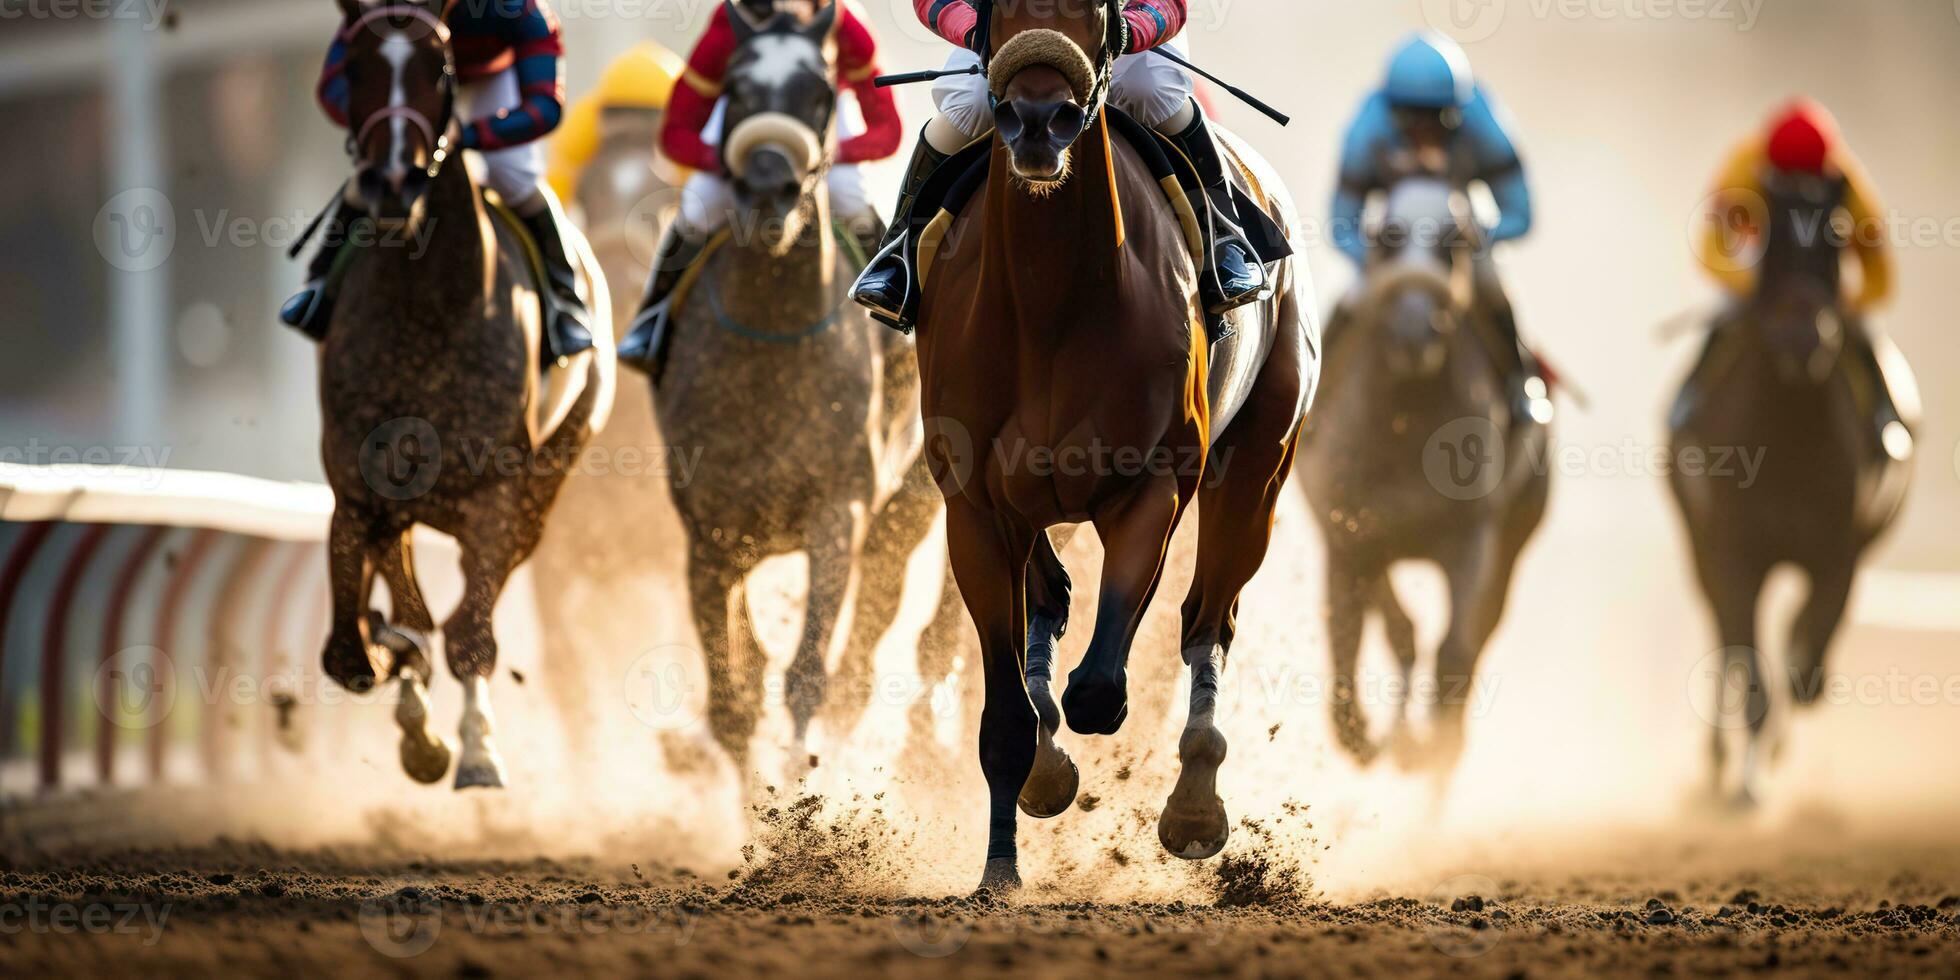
[
  {"x": 371, "y": 186},
  {"x": 1067, "y": 122},
  {"x": 413, "y": 184},
  {"x": 1007, "y": 119}
]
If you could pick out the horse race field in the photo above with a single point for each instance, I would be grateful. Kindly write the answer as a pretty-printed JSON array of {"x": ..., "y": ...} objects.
[{"x": 1889, "y": 909}]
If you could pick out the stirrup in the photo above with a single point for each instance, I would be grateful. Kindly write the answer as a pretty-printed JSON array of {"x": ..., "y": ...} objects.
[
  {"x": 306, "y": 310},
  {"x": 641, "y": 346},
  {"x": 903, "y": 318}
]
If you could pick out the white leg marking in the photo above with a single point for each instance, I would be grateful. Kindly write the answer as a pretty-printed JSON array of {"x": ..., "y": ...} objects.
[{"x": 482, "y": 765}]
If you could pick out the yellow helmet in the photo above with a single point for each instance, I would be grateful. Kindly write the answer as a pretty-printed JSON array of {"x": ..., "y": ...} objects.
[{"x": 641, "y": 78}]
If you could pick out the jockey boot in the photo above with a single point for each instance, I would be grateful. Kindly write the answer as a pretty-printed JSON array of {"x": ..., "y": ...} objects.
[
  {"x": 1895, "y": 436},
  {"x": 887, "y": 287},
  {"x": 567, "y": 331},
  {"x": 311, "y": 308},
  {"x": 644, "y": 348},
  {"x": 1237, "y": 275}
]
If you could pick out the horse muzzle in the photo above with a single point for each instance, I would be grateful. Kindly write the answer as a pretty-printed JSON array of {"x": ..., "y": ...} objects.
[
  {"x": 1038, "y": 135},
  {"x": 390, "y": 194}
]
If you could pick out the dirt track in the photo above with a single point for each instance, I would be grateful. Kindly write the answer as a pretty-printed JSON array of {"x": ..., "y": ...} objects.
[{"x": 1871, "y": 910}]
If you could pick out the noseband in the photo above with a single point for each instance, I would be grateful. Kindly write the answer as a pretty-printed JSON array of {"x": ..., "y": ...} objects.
[{"x": 436, "y": 135}]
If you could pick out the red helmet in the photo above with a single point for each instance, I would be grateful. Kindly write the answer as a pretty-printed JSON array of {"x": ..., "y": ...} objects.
[{"x": 1802, "y": 137}]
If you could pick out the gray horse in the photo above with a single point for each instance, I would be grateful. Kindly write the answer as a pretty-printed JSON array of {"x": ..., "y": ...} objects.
[
  {"x": 805, "y": 412},
  {"x": 1776, "y": 384},
  {"x": 1415, "y": 454}
]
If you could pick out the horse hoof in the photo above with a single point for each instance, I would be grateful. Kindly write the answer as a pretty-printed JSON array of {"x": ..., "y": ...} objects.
[
  {"x": 1194, "y": 825},
  {"x": 1052, "y": 783},
  {"x": 482, "y": 774},
  {"x": 1002, "y": 877},
  {"x": 1096, "y": 704},
  {"x": 426, "y": 760}
]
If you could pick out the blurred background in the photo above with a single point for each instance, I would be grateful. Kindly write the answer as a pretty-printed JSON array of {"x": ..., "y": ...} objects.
[{"x": 160, "y": 161}]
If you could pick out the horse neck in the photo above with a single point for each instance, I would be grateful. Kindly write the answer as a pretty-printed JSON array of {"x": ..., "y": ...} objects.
[
  {"x": 446, "y": 262},
  {"x": 802, "y": 281},
  {"x": 1060, "y": 249}
]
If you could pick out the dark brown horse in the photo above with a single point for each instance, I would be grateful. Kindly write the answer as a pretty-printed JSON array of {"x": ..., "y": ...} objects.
[
  {"x": 1067, "y": 380},
  {"x": 1779, "y": 388},
  {"x": 803, "y": 410},
  {"x": 1414, "y": 455},
  {"x": 433, "y": 412}
]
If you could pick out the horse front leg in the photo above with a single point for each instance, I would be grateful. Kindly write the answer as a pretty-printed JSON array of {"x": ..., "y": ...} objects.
[
  {"x": 1051, "y": 787},
  {"x": 1235, "y": 528},
  {"x": 1136, "y": 535},
  {"x": 348, "y": 657},
  {"x": 831, "y": 546},
  {"x": 1477, "y": 582},
  {"x": 990, "y": 557},
  {"x": 469, "y": 637},
  {"x": 424, "y": 754}
]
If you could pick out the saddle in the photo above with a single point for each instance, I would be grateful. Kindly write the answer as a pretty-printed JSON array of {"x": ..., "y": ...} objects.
[{"x": 961, "y": 176}]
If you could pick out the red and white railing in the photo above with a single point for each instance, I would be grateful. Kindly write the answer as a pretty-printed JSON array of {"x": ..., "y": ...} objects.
[{"x": 120, "y": 587}]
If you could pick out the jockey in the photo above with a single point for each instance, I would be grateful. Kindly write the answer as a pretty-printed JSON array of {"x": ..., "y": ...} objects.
[
  {"x": 689, "y": 136},
  {"x": 1803, "y": 139},
  {"x": 1153, "y": 89},
  {"x": 1431, "y": 115},
  {"x": 510, "y": 94}
]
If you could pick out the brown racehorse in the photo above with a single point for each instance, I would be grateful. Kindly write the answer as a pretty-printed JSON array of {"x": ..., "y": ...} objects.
[
  {"x": 1067, "y": 380},
  {"x": 1824, "y": 489},
  {"x": 1414, "y": 454},
  {"x": 431, "y": 403}
]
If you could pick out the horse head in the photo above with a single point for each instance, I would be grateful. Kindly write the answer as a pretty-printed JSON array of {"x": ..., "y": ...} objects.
[
  {"x": 1419, "y": 280},
  {"x": 1048, "y": 72},
  {"x": 401, "y": 101},
  {"x": 782, "y": 100},
  {"x": 1800, "y": 275}
]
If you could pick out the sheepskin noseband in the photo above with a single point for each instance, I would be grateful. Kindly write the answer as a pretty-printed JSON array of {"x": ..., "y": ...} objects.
[
  {"x": 1042, "y": 47},
  {"x": 780, "y": 129}
]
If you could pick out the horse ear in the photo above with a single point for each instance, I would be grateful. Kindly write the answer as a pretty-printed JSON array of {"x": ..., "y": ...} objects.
[
  {"x": 820, "y": 26},
  {"x": 738, "y": 19},
  {"x": 350, "y": 10}
]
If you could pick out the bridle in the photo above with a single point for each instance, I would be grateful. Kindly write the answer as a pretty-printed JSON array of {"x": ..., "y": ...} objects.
[
  {"x": 1105, "y": 62},
  {"x": 824, "y": 127},
  {"x": 436, "y": 132}
]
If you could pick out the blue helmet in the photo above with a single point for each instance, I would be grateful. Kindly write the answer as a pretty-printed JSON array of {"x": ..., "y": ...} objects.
[{"x": 1429, "y": 72}]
